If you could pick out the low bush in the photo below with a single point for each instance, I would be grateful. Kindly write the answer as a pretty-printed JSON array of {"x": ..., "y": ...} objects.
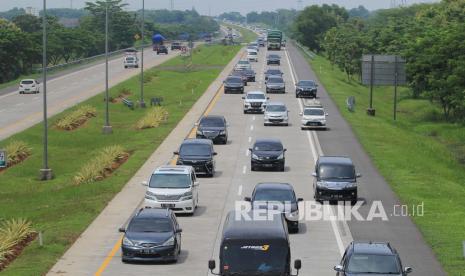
[
  {"x": 17, "y": 151},
  {"x": 153, "y": 118},
  {"x": 108, "y": 160},
  {"x": 76, "y": 118},
  {"x": 12, "y": 233}
]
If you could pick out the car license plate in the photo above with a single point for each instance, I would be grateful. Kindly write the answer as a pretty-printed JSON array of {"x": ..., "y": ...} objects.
[
  {"x": 147, "y": 251},
  {"x": 267, "y": 165},
  {"x": 168, "y": 205}
]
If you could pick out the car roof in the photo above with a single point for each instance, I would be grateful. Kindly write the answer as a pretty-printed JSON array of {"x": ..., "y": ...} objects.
[
  {"x": 275, "y": 103},
  {"x": 268, "y": 140},
  {"x": 245, "y": 229},
  {"x": 273, "y": 186},
  {"x": 378, "y": 248},
  {"x": 335, "y": 160},
  {"x": 170, "y": 169},
  {"x": 197, "y": 141},
  {"x": 153, "y": 213}
]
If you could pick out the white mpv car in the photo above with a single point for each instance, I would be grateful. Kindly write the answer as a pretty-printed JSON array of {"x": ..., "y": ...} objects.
[{"x": 173, "y": 187}]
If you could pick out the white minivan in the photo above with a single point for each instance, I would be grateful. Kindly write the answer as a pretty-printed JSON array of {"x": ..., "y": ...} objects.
[
  {"x": 252, "y": 55},
  {"x": 173, "y": 187}
]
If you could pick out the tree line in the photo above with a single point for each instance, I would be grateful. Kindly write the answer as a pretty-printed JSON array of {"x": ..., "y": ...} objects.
[{"x": 21, "y": 33}]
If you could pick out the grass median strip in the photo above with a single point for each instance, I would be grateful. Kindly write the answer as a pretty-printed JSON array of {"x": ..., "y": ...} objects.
[
  {"x": 59, "y": 208},
  {"x": 420, "y": 155}
]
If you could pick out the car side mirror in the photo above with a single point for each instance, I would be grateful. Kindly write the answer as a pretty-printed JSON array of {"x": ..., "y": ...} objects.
[
  {"x": 339, "y": 268},
  {"x": 326, "y": 114},
  {"x": 284, "y": 150},
  {"x": 144, "y": 183},
  {"x": 215, "y": 153},
  {"x": 211, "y": 264},
  {"x": 179, "y": 230},
  {"x": 300, "y": 199},
  {"x": 314, "y": 174},
  {"x": 301, "y": 114},
  {"x": 247, "y": 198},
  {"x": 408, "y": 270},
  {"x": 298, "y": 264},
  {"x": 176, "y": 152},
  {"x": 122, "y": 230},
  {"x": 359, "y": 175},
  {"x": 250, "y": 149},
  {"x": 196, "y": 183}
]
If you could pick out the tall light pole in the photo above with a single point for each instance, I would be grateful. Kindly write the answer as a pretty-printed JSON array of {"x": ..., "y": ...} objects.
[
  {"x": 107, "y": 129},
  {"x": 142, "y": 102},
  {"x": 45, "y": 173}
]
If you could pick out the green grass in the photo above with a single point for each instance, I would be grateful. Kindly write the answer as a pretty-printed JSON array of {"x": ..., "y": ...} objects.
[
  {"x": 247, "y": 35},
  {"x": 61, "y": 209},
  {"x": 420, "y": 155}
]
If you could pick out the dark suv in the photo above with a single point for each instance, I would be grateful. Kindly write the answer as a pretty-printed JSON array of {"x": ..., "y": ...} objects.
[
  {"x": 234, "y": 84},
  {"x": 335, "y": 179},
  {"x": 197, "y": 153},
  {"x": 371, "y": 258},
  {"x": 273, "y": 59},
  {"x": 162, "y": 50},
  {"x": 153, "y": 234},
  {"x": 283, "y": 193},
  {"x": 267, "y": 154},
  {"x": 306, "y": 88},
  {"x": 214, "y": 128}
]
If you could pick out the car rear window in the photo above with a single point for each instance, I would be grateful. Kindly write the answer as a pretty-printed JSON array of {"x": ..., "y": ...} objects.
[{"x": 27, "y": 82}]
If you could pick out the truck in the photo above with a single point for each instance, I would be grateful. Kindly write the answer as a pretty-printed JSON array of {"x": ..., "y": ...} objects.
[
  {"x": 157, "y": 40},
  {"x": 254, "y": 246},
  {"x": 274, "y": 39}
]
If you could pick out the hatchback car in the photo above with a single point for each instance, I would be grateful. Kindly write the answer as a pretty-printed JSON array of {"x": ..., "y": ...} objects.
[
  {"x": 29, "y": 86},
  {"x": 282, "y": 193},
  {"x": 199, "y": 154},
  {"x": 131, "y": 62},
  {"x": 276, "y": 113},
  {"x": 335, "y": 179},
  {"x": 173, "y": 187},
  {"x": 267, "y": 154},
  {"x": 275, "y": 84},
  {"x": 214, "y": 128},
  {"x": 233, "y": 84},
  {"x": 273, "y": 72},
  {"x": 306, "y": 88},
  {"x": 273, "y": 59},
  {"x": 371, "y": 258},
  {"x": 151, "y": 235},
  {"x": 255, "y": 101}
]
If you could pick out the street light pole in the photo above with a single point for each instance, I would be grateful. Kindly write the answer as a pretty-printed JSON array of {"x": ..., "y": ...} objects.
[
  {"x": 107, "y": 129},
  {"x": 45, "y": 173},
  {"x": 142, "y": 102}
]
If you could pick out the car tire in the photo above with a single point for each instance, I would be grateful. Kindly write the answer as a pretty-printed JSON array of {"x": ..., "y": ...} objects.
[
  {"x": 245, "y": 112},
  {"x": 281, "y": 168},
  {"x": 302, "y": 128}
]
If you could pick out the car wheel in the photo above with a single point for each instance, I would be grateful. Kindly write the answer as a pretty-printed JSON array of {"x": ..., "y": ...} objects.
[
  {"x": 245, "y": 112},
  {"x": 297, "y": 95},
  {"x": 281, "y": 168},
  {"x": 286, "y": 124}
]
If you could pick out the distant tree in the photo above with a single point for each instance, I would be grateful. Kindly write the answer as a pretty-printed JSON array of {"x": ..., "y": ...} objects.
[
  {"x": 28, "y": 23},
  {"x": 12, "y": 13},
  {"x": 360, "y": 11},
  {"x": 232, "y": 16}
]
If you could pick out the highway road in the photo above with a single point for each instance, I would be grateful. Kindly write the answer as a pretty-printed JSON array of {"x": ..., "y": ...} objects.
[{"x": 319, "y": 244}]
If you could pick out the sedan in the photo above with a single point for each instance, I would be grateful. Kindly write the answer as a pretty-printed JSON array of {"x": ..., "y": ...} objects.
[{"x": 267, "y": 154}]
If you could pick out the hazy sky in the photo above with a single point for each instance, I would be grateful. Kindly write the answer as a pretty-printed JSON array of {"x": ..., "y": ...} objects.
[{"x": 215, "y": 7}]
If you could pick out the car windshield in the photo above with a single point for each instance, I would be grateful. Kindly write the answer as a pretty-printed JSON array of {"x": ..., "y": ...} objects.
[
  {"x": 253, "y": 53},
  {"x": 195, "y": 149},
  {"x": 273, "y": 72},
  {"x": 382, "y": 264},
  {"x": 275, "y": 80},
  {"x": 173, "y": 181},
  {"x": 256, "y": 96},
  {"x": 212, "y": 122},
  {"x": 150, "y": 225},
  {"x": 255, "y": 258},
  {"x": 268, "y": 146},
  {"x": 234, "y": 80},
  {"x": 306, "y": 83},
  {"x": 280, "y": 195},
  {"x": 27, "y": 82},
  {"x": 129, "y": 59},
  {"x": 243, "y": 62},
  {"x": 314, "y": 111},
  {"x": 274, "y": 57},
  {"x": 336, "y": 171},
  {"x": 275, "y": 108}
]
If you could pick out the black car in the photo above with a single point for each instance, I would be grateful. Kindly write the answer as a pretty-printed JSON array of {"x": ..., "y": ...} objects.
[
  {"x": 282, "y": 193},
  {"x": 335, "y": 179},
  {"x": 275, "y": 84},
  {"x": 153, "y": 234},
  {"x": 214, "y": 128},
  {"x": 273, "y": 72},
  {"x": 162, "y": 50},
  {"x": 233, "y": 84},
  {"x": 199, "y": 154},
  {"x": 176, "y": 46},
  {"x": 273, "y": 59},
  {"x": 249, "y": 74},
  {"x": 241, "y": 74},
  {"x": 371, "y": 258},
  {"x": 306, "y": 88},
  {"x": 267, "y": 154}
]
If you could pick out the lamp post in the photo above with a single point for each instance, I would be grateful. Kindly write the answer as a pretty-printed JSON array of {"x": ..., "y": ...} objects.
[
  {"x": 45, "y": 173},
  {"x": 142, "y": 102},
  {"x": 107, "y": 129}
]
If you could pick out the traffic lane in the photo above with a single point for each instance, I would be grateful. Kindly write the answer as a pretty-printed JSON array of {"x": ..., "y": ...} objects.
[
  {"x": 399, "y": 230},
  {"x": 21, "y": 111}
]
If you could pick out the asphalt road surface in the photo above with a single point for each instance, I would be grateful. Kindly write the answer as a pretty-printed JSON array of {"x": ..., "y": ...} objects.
[{"x": 320, "y": 242}]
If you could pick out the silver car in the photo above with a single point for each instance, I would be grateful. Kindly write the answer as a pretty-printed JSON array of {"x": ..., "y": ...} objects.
[
  {"x": 276, "y": 113},
  {"x": 275, "y": 84}
]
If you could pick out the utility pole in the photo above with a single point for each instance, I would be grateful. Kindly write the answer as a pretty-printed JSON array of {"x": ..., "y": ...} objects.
[
  {"x": 107, "y": 129},
  {"x": 71, "y": 4},
  {"x": 172, "y": 5},
  {"x": 45, "y": 173},
  {"x": 299, "y": 5},
  {"x": 142, "y": 102}
]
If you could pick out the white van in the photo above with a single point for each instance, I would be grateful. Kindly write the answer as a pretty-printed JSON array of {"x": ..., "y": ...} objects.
[{"x": 252, "y": 55}]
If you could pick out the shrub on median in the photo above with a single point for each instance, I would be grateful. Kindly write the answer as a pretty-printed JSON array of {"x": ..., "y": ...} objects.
[
  {"x": 153, "y": 118},
  {"x": 12, "y": 233},
  {"x": 102, "y": 165},
  {"x": 76, "y": 118},
  {"x": 17, "y": 151}
]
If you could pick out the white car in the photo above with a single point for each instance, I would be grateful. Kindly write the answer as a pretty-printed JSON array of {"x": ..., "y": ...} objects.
[
  {"x": 173, "y": 187},
  {"x": 313, "y": 117},
  {"x": 252, "y": 55},
  {"x": 255, "y": 101},
  {"x": 131, "y": 61},
  {"x": 29, "y": 86},
  {"x": 242, "y": 65},
  {"x": 276, "y": 113}
]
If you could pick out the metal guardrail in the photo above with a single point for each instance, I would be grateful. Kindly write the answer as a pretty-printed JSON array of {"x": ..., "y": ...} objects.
[{"x": 305, "y": 49}]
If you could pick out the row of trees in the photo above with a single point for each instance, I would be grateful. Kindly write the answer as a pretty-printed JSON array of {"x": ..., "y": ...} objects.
[{"x": 21, "y": 34}]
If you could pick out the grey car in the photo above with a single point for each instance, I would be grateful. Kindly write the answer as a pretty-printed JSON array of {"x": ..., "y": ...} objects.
[
  {"x": 275, "y": 84},
  {"x": 276, "y": 113}
]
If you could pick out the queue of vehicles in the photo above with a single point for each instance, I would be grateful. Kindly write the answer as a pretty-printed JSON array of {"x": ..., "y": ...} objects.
[{"x": 249, "y": 246}]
